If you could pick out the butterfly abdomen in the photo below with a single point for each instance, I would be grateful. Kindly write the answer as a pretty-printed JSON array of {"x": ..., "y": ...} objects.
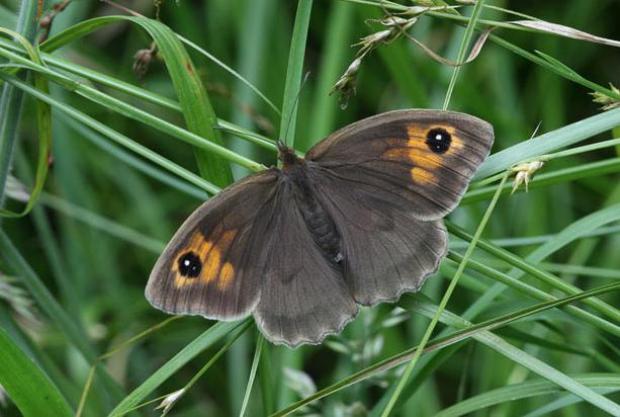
[{"x": 317, "y": 220}]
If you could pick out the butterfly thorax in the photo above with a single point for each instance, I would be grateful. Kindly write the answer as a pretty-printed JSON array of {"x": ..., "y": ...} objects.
[
  {"x": 287, "y": 156},
  {"x": 319, "y": 223}
]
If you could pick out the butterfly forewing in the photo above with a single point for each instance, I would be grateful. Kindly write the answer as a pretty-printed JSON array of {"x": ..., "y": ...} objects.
[
  {"x": 421, "y": 160},
  {"x": 214, "y": 264}
]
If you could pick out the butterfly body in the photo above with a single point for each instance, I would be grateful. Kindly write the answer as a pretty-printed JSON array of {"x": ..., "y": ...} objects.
[
  {"x": 299, "y": 174},
  {"x": 357, "y": 222}
]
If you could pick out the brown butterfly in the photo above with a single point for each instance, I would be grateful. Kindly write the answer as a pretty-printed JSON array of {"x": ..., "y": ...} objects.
[{"x": 358, "y": 221}]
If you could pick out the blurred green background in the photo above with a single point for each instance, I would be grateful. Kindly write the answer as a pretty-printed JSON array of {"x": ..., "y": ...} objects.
[{"x": 101, "y": 222}]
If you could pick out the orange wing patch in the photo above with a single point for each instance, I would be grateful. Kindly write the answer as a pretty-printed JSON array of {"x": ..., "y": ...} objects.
[
  {"x": 416, "y": 150},
  {"x": 210, "y": 254},
  {"x": 226, "y": 275}
]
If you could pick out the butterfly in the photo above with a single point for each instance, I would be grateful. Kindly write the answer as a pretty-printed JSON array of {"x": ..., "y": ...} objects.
[{"x": 358, "y": 221}]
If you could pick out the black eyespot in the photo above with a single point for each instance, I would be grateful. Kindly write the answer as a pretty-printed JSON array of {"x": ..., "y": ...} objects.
[
  {"x": 438, "y": 140},
  {"x": 190, "y": 265}
]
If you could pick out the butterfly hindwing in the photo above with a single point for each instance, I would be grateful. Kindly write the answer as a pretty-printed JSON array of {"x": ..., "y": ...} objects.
[
  {"x": 421, "y": 160},
  {"x": 214, "y": 264},
  {"x": 387, "y": 251},
  {"x": 304, "y": 296}
]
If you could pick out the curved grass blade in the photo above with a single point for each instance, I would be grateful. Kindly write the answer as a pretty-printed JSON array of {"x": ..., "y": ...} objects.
[
  {"x": 44, "y": 128},
  {"x": 85, "y": 27},
  {"x": 404, "y": 379},
  {"x": 117, "y": 137},
  {"x": 202, "y": 342},
  {"x": 603, "y": 383},
  {"x": 11, "y": 99},
  {"x": 232, "y": 72},
  {"x": 467, "y": 331},
  {"x": 566, "y": 236},
  {"x": 138, "y": 92},
  {"x": 195, "y": 105},
  {"x": 527, "y": 361},
  {"x": 578, "y": 172},
  {"x": 549, "y": 142},
  {"x": 135, "y": 113}
]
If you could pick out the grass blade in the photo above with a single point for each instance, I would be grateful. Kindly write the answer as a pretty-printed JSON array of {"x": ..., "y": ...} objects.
[
  {"x": 195, "y": 105},
  {"x": 11, "y": 98},
  {"x": 415, "y": 302},
  {"x": 533, "y": 364},
  {"x": 250, "y": 384},
  {"x": 444, "y": 301},
  {"x": 549, "y": 142},
  {"x": 469, "y": 31},
  {"x": 605, "y": 383},
  {"x": 294, "y": 72},
  {"x": 27, "y": 385},
  {"x": 202, "y": 342}
]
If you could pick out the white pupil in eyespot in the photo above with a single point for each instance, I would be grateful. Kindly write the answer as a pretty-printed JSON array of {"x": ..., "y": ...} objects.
[
  {"x": 438, "y": 136},
  {"x": 187, "y": 262}
]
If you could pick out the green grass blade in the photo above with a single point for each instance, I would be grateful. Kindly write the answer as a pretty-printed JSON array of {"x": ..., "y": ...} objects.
[
  {"x": 135, "y": 91},
  {"x": 72, "y": 331},
  {"x": 569, "y": 234},
  {"x": 577, "y": 172},
  {"x": 250, "y": 384},
  {"x": 82, "y": 29},
  {"x": 11, "y": 98},
  {"x": 526, "y": 360},
  {"x": 195, "y": 105},
  {"x": 27, "y": 385},
  {"x": 233, "y": 72},
  {"x": 135, "y": 113},
  {"x": 294, "y": 72},
  {"x": 607, "y": 383},
  {"x": 18, "y": 265},
  {"x": 44, "y": 129},
  {"x": 554, "y": 65},
  {"x": 469, "y": 32},
  {"x": 420, "y": 304},
  {"x": 325, "y": 106},
  {"x": 202, "y": 342},
  {"x": 549, "y": 142},
  {"x": 135, "y": 162},
  {"x": 537, "y": 294},
  {"x": 444, "y": 302},
  {"x": 103, "y": 224},
  {"x": 117, "y": 137}
]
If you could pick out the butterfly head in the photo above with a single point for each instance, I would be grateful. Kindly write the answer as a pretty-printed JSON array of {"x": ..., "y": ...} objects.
[{"x": 287, "y": 155}]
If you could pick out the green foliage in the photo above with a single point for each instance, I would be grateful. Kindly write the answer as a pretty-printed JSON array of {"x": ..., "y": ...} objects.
[
  {"x": 526, "y": 310},
  {"x": 27, "y": 385}
]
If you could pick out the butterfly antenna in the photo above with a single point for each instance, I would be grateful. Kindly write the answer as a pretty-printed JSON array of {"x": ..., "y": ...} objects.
[{"x": 282, "y": 142}]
